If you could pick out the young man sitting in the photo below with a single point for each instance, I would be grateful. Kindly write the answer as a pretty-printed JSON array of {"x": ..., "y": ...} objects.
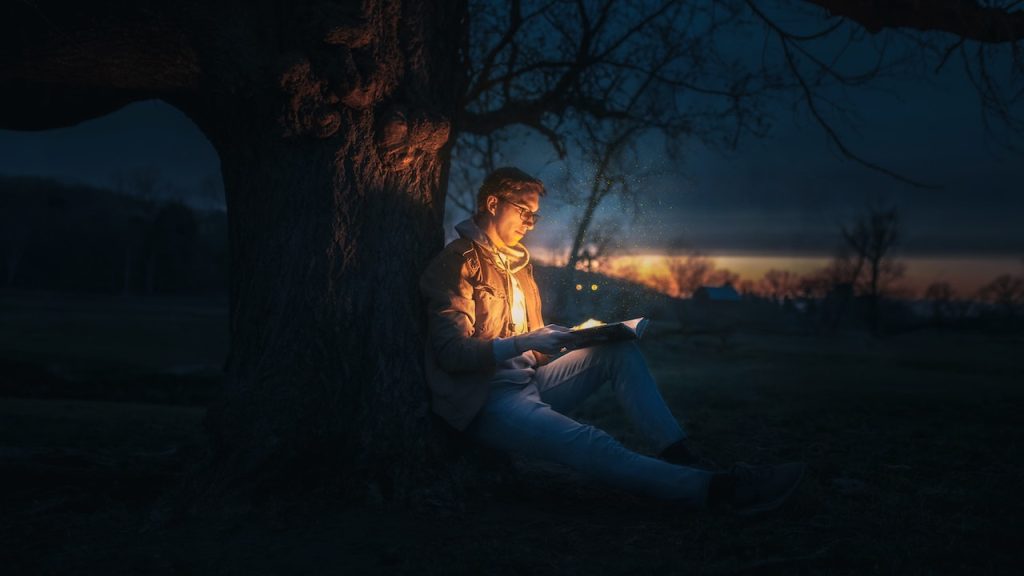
[{"x": 491, "y": 376}]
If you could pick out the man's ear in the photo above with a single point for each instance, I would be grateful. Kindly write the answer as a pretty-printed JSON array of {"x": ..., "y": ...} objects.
[{"x": 492, "y": 205}]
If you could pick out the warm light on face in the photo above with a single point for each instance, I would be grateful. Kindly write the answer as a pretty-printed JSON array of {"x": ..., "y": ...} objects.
[
  {"x": 507, "y": 220},
  {"x": 588, "y": 324}
]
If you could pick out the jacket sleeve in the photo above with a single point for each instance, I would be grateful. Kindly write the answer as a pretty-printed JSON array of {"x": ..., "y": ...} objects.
[{"x": 451, "y": 314}]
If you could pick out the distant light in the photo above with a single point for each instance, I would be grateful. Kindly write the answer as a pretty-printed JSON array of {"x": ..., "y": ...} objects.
[
  {"x": 579, "y": 287},
  {"x": 593, "y": 287}
]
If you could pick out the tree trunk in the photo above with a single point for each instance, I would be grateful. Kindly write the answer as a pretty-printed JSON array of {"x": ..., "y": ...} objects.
[
  {"x": 334, "y": 208},
  {"x": 332, "y": 121},
  {"x": 325, "y": 367}
]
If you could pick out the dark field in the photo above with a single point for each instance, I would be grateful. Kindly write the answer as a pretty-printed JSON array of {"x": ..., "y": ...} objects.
[{"x": 914, "y": 446}]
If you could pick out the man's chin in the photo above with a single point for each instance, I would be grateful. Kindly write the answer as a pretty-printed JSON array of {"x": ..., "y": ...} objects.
[{"x": 514, "y": 239}]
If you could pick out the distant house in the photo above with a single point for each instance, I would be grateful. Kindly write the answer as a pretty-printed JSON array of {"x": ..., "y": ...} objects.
[{"x": 723, "y": 293}]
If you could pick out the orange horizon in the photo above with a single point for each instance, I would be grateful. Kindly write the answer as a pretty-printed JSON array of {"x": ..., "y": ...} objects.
[{"x": 964, "y": 274}]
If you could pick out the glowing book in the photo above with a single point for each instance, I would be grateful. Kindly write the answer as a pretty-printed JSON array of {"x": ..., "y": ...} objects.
[{"x": 593, "y": 332}]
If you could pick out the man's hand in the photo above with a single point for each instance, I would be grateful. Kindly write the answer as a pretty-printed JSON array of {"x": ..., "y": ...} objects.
[{"x": 547, "y": 340}]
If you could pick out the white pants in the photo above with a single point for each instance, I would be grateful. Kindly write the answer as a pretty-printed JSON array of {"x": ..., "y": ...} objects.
[{"x": 530, "y": 420}]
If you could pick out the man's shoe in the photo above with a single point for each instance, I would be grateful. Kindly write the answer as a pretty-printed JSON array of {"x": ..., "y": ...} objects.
[
  {"x": 759, "y": 489},
  {"x": 682, "y": 454}
]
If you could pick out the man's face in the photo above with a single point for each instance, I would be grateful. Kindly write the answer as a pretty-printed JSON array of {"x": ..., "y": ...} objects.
[{"x": 509, "y": 215}]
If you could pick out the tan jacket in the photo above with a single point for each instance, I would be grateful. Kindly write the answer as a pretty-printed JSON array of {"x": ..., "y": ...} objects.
[{"x": 467, "y": 308}]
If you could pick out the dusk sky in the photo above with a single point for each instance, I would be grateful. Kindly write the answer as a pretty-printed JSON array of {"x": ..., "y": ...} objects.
[{"x": 783, "y": 196}]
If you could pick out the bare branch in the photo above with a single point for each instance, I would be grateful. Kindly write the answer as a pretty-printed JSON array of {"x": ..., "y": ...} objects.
[
  {"x": 949, "y": 52},
  {"x": 964, "y": 18},
  {"x": 810, "y": 99}
]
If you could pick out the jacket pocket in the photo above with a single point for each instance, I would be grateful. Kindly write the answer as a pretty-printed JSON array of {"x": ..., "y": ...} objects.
[{"x": 490, "y": 311}]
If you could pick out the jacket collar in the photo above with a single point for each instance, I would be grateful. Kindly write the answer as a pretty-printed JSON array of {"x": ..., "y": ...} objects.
[{"x": 516, "y": 257}]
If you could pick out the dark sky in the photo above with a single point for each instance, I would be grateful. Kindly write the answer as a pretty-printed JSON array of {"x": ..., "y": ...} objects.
[
  {"x": 141, "y": 136},
  {"x": 785, "y": 194},
  {"x": 789, "y": 192}
]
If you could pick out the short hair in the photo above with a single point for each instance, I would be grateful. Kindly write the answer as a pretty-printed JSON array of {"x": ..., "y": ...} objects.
[{"x": 504, "y": 182}]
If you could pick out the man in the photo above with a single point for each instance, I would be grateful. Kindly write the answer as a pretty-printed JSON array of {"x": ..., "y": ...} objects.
[{"x": 491, "y": 373}]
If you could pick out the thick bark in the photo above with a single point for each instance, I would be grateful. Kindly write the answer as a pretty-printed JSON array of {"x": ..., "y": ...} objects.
[
  {"x": 335, "y": 175},
  {"x": 332, "y": 122},
  {"x": 327, "y": 240}
]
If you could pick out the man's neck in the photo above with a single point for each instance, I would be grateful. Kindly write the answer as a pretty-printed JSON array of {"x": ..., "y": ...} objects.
[{"x": 488, "y": 229}]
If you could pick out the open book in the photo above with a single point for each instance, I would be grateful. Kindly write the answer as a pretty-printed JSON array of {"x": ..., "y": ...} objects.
[{"x": 588, "y": 334}]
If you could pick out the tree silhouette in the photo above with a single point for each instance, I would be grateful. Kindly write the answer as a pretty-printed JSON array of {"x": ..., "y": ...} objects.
[
  {"x": 778, "y": 285},
  {"x": 871, "y": 239},
  {"x": 941, "y": 297},
  {"x": 694, "y": 270},
  {"x": 1006, "y": 293}
]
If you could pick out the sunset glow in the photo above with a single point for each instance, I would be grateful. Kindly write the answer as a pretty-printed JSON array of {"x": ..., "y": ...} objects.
[{"x": 964, "y": 274}]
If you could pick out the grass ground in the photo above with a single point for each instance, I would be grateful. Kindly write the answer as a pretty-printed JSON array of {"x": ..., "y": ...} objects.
[
  {"x": 914, "y": 447},
  {"x": 81, "y": 335}
]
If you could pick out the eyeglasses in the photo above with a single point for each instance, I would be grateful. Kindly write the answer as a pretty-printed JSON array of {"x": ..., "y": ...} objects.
[{"x": 525, "y": 214}]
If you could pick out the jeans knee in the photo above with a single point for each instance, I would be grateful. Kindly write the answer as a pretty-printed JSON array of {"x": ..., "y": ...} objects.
[{"x": 623, "y": 350}]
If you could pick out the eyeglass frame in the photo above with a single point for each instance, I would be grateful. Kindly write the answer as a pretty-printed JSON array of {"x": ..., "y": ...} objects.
[{"x": 525, "y": 214}]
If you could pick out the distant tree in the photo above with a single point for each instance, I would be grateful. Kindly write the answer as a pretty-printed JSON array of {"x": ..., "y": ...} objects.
[
  {"x": 816, "y": 285},
  {"x": 690, "y": 272},
  {"x": 723, "y": 276},
  {"x": 1006, "y": 293},
  {"x": 939, "y": 292},
  {"x": 779, "y": 285},
  {"x": 656, "y": 279},
  {"x": 845, "y": 269},
  {"x": 871, "y": 240},
  {"x": 940, "y": 295},
  {"x": 834, "y": 285}
]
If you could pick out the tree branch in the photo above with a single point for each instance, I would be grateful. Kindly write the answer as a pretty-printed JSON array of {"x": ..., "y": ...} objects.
[
  {"x": 833, "y": 136},
  {"x": 59, "y": 65},
  {"x": 965, "y": 18}
]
